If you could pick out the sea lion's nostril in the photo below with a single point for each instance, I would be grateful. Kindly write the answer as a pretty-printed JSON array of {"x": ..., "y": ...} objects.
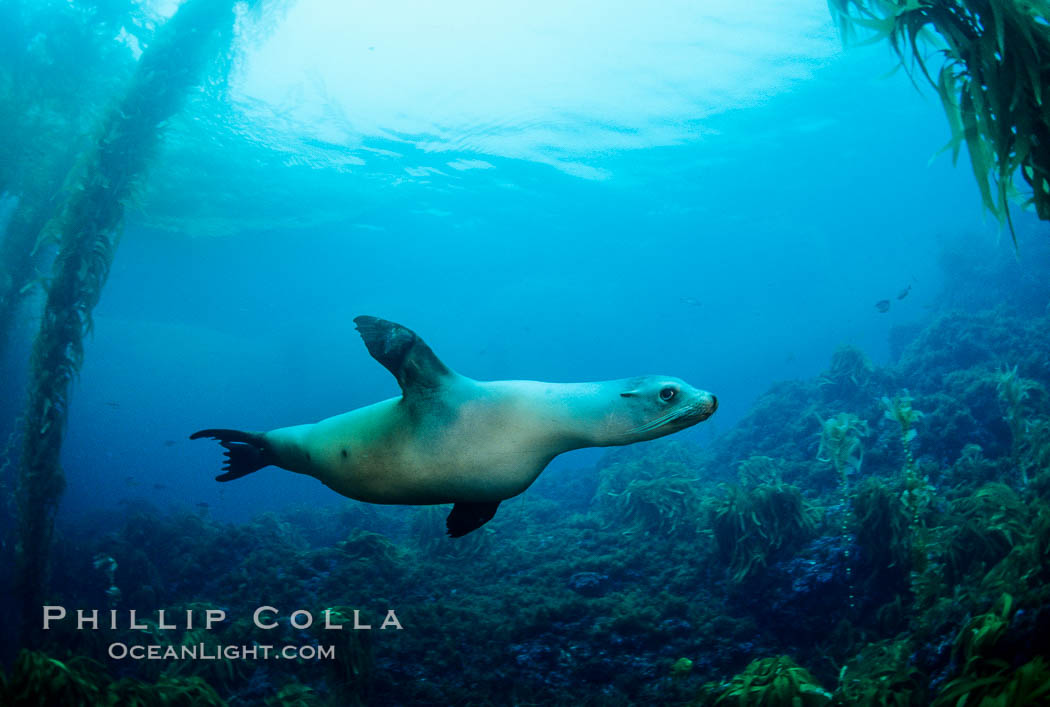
[{"x": 714, "y": 403}]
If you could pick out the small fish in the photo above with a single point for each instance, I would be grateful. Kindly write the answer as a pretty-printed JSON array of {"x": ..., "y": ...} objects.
[
  {"x": 883, "y": 305},
  {"x": 131, "y": 481},
  {"x": 203, "y": 505},
  {"x": 691, "y": 301},
  {"x": 160, "y": 487},
  {"x": 904, "y": 293},
  {"x": 113, "y": 404},
  {"x": 169, "y": 443}
]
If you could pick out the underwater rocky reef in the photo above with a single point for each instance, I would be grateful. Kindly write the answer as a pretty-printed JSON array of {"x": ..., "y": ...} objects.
[{"x": 876, "y": 535}]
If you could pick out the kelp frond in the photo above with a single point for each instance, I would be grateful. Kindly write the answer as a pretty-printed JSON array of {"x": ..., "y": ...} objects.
[{"x": 992, "y": 81}]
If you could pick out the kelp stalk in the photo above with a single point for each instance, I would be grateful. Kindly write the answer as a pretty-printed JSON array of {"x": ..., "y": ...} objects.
[
  {"x": 992, "y": 83},
  {"x": 89, "y": 227},
  {"x": 917, "y": 493},
  {"x": 56, "y": 58},
  {"x": 840, "y": 445},
  {"x": 20, "y": 247},
  {"x": 1014, "y": 392}
]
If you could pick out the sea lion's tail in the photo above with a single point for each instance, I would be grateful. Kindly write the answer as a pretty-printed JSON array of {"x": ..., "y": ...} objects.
[{"x": 246, "y": 452}]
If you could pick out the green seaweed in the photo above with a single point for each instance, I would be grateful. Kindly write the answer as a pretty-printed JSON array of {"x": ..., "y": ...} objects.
[
  {"x": 1025, "y": 571},
  {"x": 972, "y": 467},
  {"x": 984, "y": 528},
  {"x": 840, "y": 444},
  {"x": 974, "y": 647},
  {"x": 918, "y": 493},
  {"x": 752, "y": 525},
  {"x": 899, "y": 409},
  {"x": 1014, "y": 393},
  {"x": 38, "y": 679},
  {"x": 850, "y": 372},
  {"x": 1036, "y": 464},
  {"x": 368, "y": 552},
  {"x": 669, "y": 507},
  {"x": 881, "y": 527},
  {"x": 166, "y": 692},
  {"x": 1027, "y": 686},
  {"x": 991, "y": 82},
  {"x": 986, "y": 676},
  {"x": 759, "y": 470},
  {"x": 768, "y": 682},
  {"x": 881, "y": 675}
]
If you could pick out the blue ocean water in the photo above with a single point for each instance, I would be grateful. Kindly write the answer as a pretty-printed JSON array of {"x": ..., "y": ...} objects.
[
  {"x": 561, "y": 192},
  {"x": 742, "y": 256}
]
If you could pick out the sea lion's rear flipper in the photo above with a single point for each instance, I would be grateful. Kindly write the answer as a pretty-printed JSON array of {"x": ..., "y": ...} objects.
[
  {"x": 246, "y": 452},
  {"x": 403, "y": 353},
  {"x": 467, "y": 517}
]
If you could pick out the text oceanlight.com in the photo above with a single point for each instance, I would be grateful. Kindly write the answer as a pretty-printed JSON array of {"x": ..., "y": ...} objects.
[{"x": 201, "y": 651}]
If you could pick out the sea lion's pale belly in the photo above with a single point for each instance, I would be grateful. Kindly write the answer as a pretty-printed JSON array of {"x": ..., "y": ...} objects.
[{"x": 487, "y": 448}]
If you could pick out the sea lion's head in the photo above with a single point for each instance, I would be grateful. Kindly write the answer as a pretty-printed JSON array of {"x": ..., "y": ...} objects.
[{"x": 660, "y": 405}]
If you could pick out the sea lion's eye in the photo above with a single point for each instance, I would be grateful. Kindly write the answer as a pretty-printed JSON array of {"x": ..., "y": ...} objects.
[{"x": 667, "y": 394}]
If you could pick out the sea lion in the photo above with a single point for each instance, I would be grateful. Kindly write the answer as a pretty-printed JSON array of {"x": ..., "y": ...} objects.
[{"x": 452, "y": 439}]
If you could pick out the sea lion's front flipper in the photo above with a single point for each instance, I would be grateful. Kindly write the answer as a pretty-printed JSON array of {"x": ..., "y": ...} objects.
[
  {"x": 403, "y": 353},
  {"x": 466, "y": 517}
]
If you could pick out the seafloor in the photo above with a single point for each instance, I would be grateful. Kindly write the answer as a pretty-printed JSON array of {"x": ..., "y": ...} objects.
[{"x": 877, "y": 535}]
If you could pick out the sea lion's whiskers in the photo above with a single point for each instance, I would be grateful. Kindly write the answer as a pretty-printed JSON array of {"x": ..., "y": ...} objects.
[{"x": 664, "y": 419}]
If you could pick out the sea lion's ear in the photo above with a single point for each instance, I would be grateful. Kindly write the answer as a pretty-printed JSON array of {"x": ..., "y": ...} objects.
[
  {"x": 629, "y": 394},
  {"x": 403, "y": 353}
]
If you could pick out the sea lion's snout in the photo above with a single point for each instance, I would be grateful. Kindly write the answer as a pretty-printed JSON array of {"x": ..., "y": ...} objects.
[{"x": 708, "y": 405}]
